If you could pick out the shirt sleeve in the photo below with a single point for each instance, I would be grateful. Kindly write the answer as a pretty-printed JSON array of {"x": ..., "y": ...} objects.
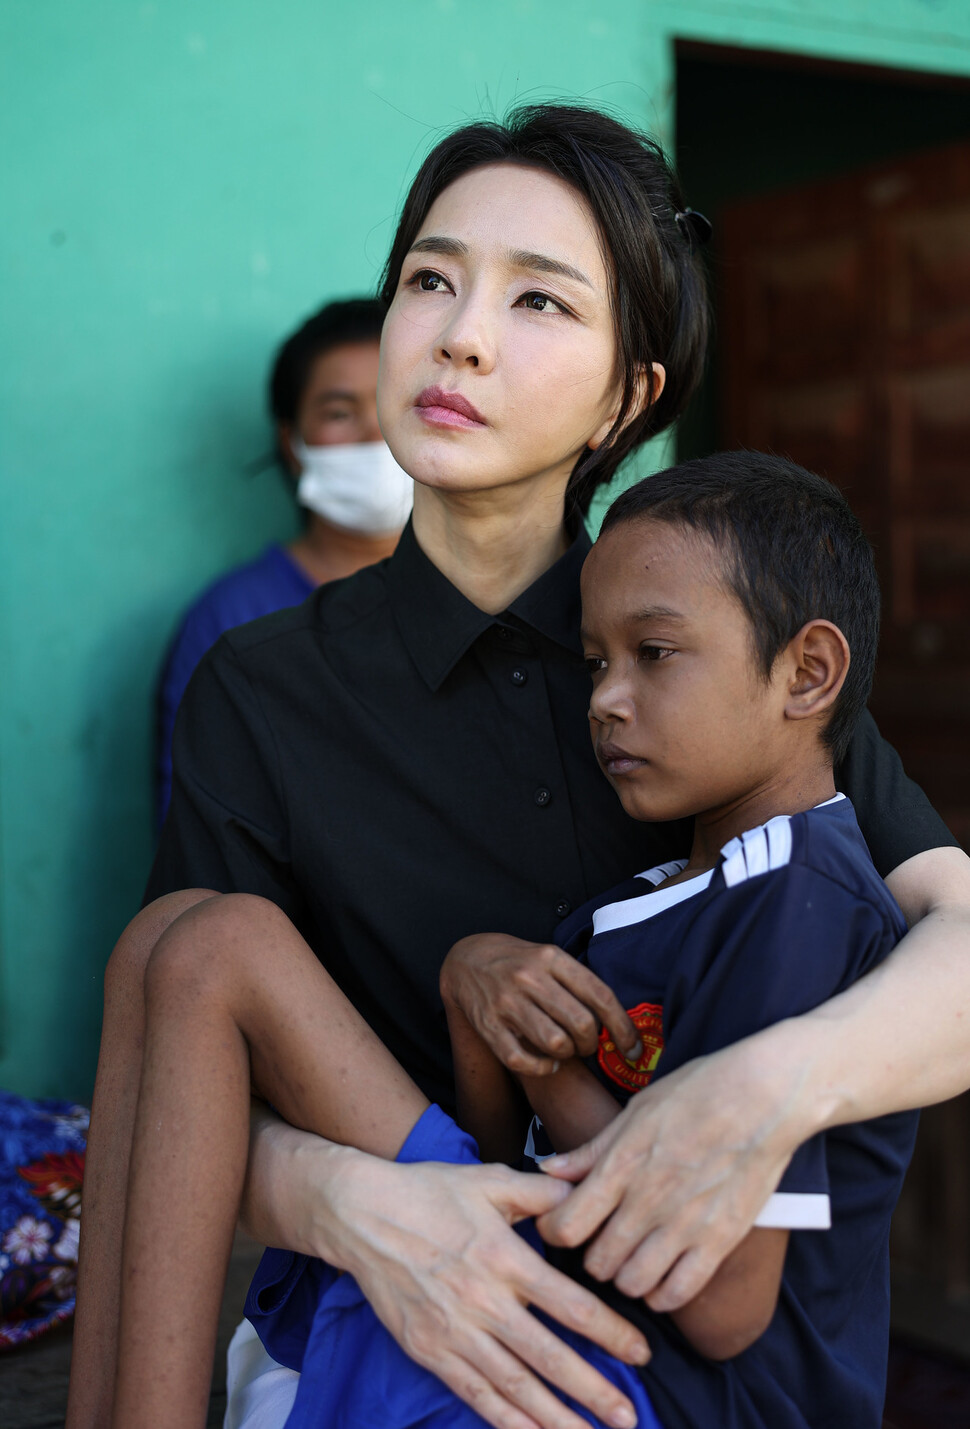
[
  {"x": 895, "y": 816},
  {"x": 771, "y": 947},
  {"x": 198, "y": 633},
  {"x": 226, "y": 827}
]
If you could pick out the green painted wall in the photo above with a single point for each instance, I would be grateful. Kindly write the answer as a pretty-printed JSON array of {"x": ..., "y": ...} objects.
[{"x": 181, "y": 182}]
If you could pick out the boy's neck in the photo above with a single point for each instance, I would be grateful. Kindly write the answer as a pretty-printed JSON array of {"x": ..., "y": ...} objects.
[{"x": 801, "y": 788}]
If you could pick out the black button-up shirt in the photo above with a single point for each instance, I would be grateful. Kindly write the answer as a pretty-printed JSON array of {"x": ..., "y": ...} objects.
[{"x": 396, "y": 769}]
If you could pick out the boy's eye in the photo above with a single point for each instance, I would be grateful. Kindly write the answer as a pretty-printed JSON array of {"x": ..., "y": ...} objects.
[{"x": 540, "y": 303}]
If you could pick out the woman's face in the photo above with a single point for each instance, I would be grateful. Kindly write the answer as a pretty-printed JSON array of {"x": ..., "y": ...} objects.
[{"x": 498, "y": 357}]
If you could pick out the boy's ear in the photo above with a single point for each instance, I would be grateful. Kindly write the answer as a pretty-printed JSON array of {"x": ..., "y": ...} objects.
[
  {"x": 820, "y": 656},
  {"x": 284, "y": 440},
  {"x": 650, "y": 384}
]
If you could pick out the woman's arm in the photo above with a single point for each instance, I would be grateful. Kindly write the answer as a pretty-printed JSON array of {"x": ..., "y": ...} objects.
[
  {"x": 736, "y": 1305},
  {"x": 433, "y": 1250},
  {"x": 718, "y": 1133}
]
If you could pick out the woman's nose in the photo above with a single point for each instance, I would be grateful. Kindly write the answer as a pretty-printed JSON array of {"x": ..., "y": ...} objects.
[{"x": 469, "y": 339}]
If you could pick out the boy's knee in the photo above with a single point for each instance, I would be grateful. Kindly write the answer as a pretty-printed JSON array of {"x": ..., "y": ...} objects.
[
  {"x": 205, "y": 948},
  {"x": 125, "y": 970}
]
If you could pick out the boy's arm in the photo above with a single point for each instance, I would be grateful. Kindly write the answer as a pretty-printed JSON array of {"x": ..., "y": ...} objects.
[
  {"x": 569, "y": 1101},
  {"x": 571, "y": 1104},
  {"x": 489, "y": 1105},
  {"x": 736, "y": 1305}
]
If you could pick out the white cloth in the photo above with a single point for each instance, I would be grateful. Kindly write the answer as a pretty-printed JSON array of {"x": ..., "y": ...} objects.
[{"x": 259, "y": 1392}]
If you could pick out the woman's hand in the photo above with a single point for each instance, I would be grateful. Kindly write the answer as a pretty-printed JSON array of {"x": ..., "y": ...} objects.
[
  {"x": 533, "y": 1004},
  {"x": 675, "y": 1183},
  {"x": 432, "y": 1248}
]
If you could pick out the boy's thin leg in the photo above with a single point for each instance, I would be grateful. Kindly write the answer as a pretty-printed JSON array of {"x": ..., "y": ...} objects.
[
  {"x": 235, "y": 998},
  {"x": 94, "y": 1357}
]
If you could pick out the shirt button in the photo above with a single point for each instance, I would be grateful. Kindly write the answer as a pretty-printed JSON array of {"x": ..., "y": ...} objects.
[
  {"x": 504, "y": 633},
  {"x": 519, "y": 677},
  {"x": 562, "y": 908},
  {"x": 542, "y": 796}
]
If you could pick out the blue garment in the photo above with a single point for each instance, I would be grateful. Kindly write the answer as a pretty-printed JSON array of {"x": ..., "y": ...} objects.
[
  {"x": 41, "y": 1169},
  {"x": 354, "y": 1375},
  {"x": 272, "y": 582},
  {"x": 793, "y": 914}
]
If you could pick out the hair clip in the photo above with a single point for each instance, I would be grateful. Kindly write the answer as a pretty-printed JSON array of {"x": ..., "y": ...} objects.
[{"x": 694, "y": 225}]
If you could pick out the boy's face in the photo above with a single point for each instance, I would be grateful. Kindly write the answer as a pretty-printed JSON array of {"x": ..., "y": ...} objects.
[{"x": 682, "y": 720}]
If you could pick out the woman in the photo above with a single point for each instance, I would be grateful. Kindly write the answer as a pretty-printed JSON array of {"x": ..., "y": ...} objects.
[
  {"x": 402, "y": 761},
  {"x": 354, "y": 496}
]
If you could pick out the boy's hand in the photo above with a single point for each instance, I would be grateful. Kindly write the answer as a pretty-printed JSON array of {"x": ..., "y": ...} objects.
[{"x": 533, "y": 1004}]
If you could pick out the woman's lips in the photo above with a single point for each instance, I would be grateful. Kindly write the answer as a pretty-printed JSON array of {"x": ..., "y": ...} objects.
[
  {"x": 616, "y": 760},
  {"x": 447, "y": 409}
]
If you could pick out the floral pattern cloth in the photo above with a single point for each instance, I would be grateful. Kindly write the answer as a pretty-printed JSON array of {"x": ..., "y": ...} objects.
[{"x": 41, "y": 1166}]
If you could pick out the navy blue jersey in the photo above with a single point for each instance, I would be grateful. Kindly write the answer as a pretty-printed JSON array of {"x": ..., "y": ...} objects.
[{"x": 794, "y": 913}]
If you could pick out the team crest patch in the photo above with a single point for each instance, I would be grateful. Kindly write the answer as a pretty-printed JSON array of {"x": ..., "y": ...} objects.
[{"x": 647, "y": 1018}]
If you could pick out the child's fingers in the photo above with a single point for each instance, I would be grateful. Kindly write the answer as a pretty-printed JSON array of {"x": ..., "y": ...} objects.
[
  {"x": 516, "y": 1054},
  {"x": 593, "y": 994}
]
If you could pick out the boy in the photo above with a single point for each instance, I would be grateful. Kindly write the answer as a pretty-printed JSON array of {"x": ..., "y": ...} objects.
[{"x": 720, "y": 605}]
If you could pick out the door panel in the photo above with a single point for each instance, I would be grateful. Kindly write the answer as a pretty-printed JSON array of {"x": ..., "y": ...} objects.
[
  {"x": 845, "y": 326},
  {"x": 845, "y": 330}
]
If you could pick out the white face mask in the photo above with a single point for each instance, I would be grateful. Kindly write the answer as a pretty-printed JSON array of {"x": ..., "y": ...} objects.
[{"x": 356, "y": 485}]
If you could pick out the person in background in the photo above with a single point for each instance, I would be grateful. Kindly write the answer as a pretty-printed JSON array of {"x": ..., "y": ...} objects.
[{"x": 323, "y": 400}]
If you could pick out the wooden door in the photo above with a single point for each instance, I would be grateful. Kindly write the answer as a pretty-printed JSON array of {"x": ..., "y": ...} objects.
[{"x": 845, "y": 344}]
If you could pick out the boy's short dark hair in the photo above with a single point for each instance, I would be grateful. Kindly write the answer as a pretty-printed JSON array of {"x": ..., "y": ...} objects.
[
  {"x": 793, "y": 551},
  {"x": 348, "y": 320}
]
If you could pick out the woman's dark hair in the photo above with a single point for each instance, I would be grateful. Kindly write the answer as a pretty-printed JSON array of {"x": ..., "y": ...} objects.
[
  {"x": 658, "y": 294},
  {"x": 350, "y": 320},
  {"x": 792, "y": 551}
]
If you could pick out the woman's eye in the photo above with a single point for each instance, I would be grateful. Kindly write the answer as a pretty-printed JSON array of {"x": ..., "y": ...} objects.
[
  {"x": 540, "y": 303},
  {"x": 594, "y": 664},
  {"x": 655, "y": 652},
  {"x": 427, "y": 281}
]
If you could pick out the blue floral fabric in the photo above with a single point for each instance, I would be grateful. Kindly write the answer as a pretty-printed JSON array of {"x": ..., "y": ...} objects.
[{"x": 41, "y": 1166}]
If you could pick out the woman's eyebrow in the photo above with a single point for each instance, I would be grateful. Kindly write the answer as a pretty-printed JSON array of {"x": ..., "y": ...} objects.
[
  {"x": 518, "y": 258},
  {"x": 435, "y": 243},
  {"x": 539, "y": 263}
]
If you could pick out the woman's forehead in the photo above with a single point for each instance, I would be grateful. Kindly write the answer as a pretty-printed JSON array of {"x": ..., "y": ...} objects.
[{"x": 514, "y": 211}]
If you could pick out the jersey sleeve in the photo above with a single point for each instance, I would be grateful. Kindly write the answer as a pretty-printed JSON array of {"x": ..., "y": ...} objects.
[
  {"x": 772, "y": 947},
  {"x": 226, "y": 827},
  {"x": 895, "y": 816}
]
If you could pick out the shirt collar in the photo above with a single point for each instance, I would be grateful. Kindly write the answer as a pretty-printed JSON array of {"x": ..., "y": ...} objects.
[{"x": 438, "y": 624}]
